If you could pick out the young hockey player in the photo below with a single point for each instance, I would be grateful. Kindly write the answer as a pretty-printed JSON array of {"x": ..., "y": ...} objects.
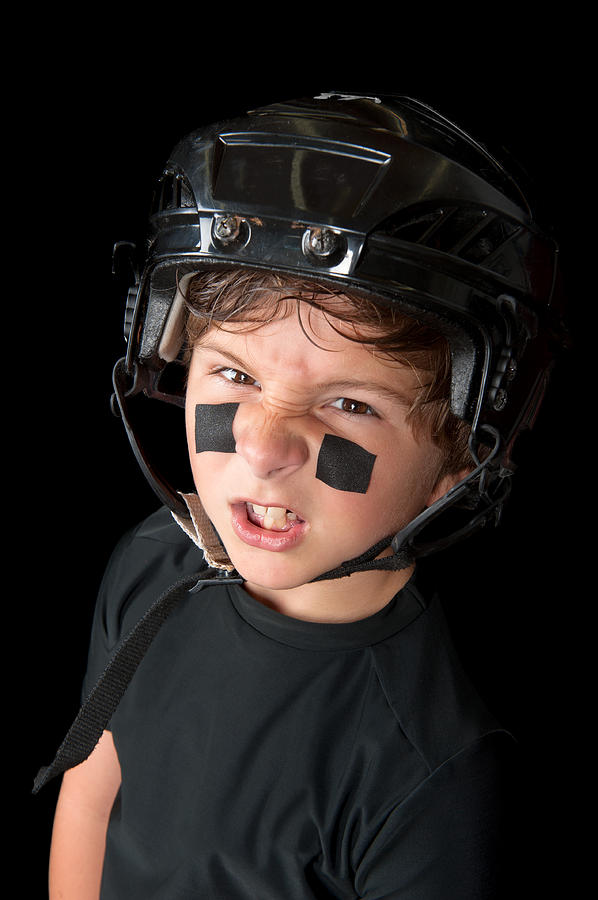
[{"x": 352, "y": 303}]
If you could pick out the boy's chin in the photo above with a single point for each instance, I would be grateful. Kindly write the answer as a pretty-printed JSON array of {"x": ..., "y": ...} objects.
[
  {"x": 276, "y": 580},
  {"x": 278, "y": 574},
  {"x": 267, "y": 571}
]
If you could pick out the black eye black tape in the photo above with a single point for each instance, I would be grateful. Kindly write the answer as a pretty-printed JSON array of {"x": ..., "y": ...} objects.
[
  {"x": 344, "y": 465},
  {"x": 214, "y": 427}
]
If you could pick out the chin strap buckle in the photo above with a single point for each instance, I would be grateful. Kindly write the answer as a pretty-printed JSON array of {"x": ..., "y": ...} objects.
[{"x": 216, "y": 576}]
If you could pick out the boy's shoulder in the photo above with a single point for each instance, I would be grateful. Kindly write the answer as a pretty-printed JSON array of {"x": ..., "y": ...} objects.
[
  {"x": 147, "y": 559},
  {"x": 159, "y": 527},
  {"x": 155, "y": 550},
  {"x": 431, "y": 696}
]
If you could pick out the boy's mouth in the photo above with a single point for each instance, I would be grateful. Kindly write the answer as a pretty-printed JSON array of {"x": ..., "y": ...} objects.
[
  {"x": 272, "y": 518},
  {"x": 274, "y": 528}
]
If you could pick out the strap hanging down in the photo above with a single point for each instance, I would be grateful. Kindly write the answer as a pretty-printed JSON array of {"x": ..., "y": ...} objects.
[{"x": 98, "y": 708}]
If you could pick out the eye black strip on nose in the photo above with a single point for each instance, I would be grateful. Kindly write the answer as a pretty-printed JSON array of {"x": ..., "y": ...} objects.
[
  {"x": 214, "y": 427},
  {"x": 344, "y": 465}
]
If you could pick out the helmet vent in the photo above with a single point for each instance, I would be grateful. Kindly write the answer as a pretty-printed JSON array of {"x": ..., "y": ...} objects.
[
  {"x": 173, "y": 191},
  {"x": 471, "y": 233}
]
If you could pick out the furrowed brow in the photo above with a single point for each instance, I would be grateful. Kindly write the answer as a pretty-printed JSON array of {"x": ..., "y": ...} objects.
[
  {"x": 395, "y": 395},
  {"x": 228, "y": 354},
  {"x": 381, "y": 390}
]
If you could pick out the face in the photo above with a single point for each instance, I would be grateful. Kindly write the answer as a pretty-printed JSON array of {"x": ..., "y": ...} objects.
[{"x": 302, "y": 410}]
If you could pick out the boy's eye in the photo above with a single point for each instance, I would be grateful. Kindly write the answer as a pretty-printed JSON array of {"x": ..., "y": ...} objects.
[
  {"x": 357, "y": 407},
  {"x": 238, "y": 377}
]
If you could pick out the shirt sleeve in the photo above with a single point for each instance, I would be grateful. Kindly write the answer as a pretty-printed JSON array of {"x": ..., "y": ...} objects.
[
  {"x": 453, "y": 837},
  {"x": 145, "y": 562}
]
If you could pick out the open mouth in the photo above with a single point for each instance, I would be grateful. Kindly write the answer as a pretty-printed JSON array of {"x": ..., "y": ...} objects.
[
  {"x": 273, "y": 528},
  {"x": 272, "y": 518}
]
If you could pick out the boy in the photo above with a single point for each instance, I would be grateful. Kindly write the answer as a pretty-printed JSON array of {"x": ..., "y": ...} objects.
[{"x": 351, "y": 301}]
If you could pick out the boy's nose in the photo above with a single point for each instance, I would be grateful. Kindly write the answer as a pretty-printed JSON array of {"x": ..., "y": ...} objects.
[{"x": 268, "y": 442}]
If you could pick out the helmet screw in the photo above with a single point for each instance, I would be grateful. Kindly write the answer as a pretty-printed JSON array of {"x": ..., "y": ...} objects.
[
  {"x": 227, "y": 228},
  {"x": 322, "y": 242},
  {"x": 500, "y": 400}
]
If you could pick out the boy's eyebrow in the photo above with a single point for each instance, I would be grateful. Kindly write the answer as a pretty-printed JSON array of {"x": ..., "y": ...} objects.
[
  {"x": 231, "y": 357},
  {"x": 383, "y": 390}
]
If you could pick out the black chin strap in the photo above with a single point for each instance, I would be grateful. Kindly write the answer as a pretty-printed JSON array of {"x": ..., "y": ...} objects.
[{"x": 367, "y": 562}]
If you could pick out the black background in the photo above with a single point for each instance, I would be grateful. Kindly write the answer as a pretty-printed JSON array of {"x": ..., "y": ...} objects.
[{"x": 89, "y": 131}]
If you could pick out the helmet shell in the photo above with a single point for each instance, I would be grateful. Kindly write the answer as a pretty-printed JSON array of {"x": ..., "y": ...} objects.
[{"x": 381, "y": 195}]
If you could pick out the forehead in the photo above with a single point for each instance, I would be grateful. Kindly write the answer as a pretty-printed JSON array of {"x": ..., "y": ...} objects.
[{"x": 305, "y": 343}]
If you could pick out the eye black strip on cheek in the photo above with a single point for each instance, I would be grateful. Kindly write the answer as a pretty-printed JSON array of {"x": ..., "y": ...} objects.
[
  {"x": 344, "y": 465},
  {"x": 214, "y": 427}
]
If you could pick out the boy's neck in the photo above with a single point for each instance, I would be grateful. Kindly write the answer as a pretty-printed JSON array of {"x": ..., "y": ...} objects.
[{"x": 339, "y": 600}]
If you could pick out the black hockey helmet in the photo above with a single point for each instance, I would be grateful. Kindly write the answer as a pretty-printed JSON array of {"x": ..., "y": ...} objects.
[{"x": 382, "y": 195}]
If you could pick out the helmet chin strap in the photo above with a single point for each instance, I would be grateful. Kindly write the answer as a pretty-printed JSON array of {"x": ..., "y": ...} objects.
[
  {"x": 201, "y": 531},
  {"x": 368, "y": 562}
]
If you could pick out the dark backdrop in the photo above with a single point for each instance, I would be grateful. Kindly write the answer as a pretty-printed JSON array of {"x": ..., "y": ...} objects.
[{"x": 90, "y": 137}]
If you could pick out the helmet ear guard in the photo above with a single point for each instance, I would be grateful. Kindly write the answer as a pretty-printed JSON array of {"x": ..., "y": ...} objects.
[{"x": 266, "y": 192}]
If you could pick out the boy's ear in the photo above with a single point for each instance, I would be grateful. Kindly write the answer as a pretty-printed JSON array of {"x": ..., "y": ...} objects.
[{"x": 444, "y": 484}]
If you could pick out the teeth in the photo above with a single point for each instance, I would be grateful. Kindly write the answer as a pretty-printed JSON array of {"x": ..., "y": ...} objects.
[
  {"x": 277, "y": 512},
  {"x": 274, "y": 516}
]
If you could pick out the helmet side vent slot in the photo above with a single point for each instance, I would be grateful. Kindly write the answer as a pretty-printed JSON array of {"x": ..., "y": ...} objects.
[{"x": 472, "y": 233}]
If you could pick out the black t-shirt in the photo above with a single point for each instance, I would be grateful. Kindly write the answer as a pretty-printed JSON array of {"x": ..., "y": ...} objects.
[{"x": 267, "y": 758}]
